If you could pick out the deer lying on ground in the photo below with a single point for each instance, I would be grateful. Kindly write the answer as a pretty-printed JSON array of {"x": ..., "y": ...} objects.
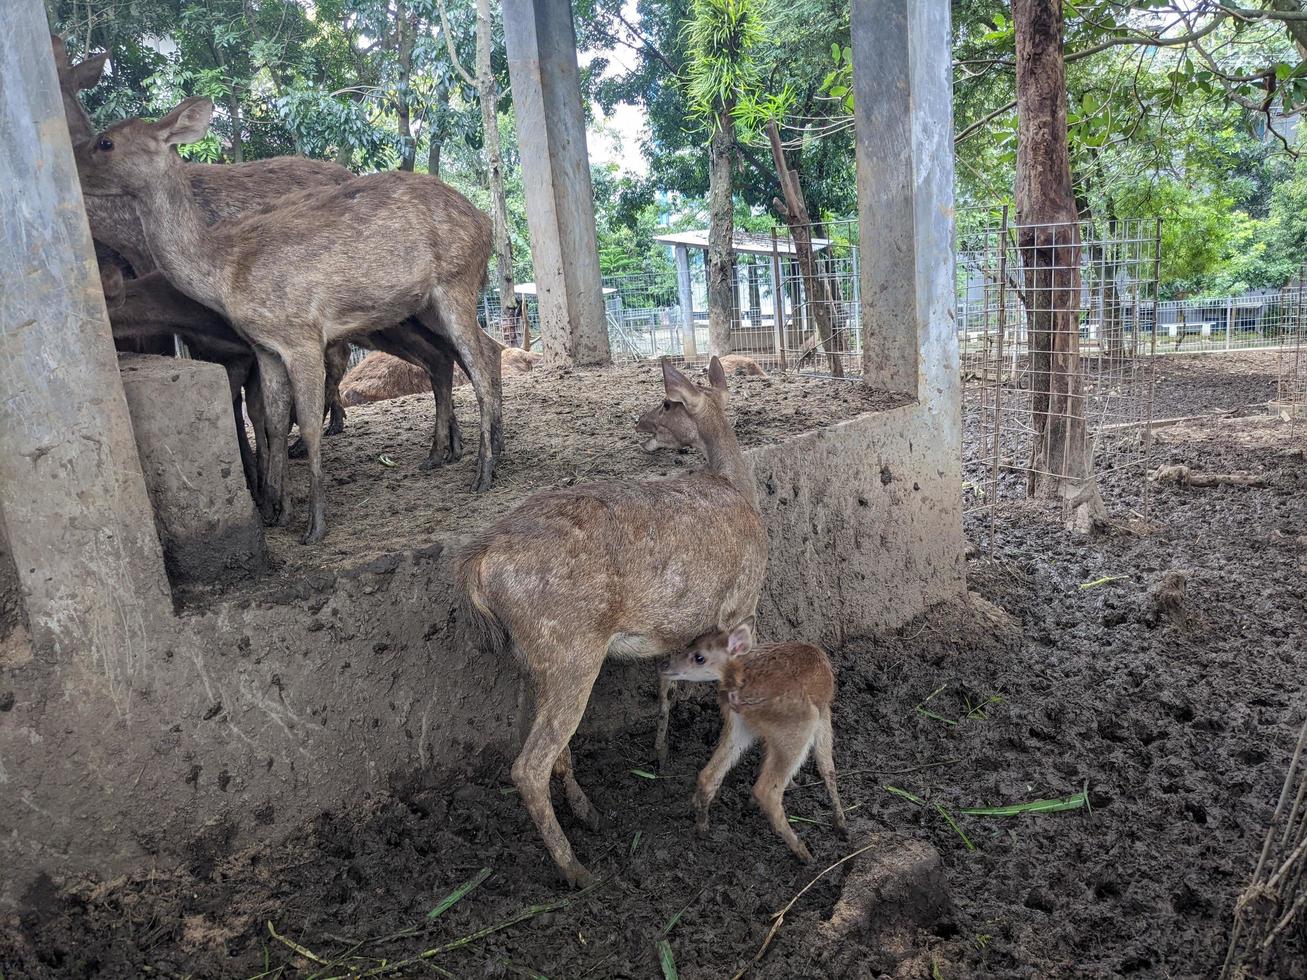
[
  {"x": 322, "y": 266},
  {"x": 780, "y": 693},
  {"x": 739, "y": 365},
  {"x": 627, "y": 568},
  {"x": 229, "y": 191},
  {"x": 380, "y": 377}
]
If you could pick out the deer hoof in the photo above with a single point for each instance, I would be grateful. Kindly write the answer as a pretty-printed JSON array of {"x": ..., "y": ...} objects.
[
  {"x": 297, "y": 450},
  {"x": 802, "y": 853},
  {"x": 577, "y": 876}
]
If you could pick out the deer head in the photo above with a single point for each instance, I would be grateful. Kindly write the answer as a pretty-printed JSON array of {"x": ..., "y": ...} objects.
[
  {"x": 131, "y": 156},
  {"x": 72, "y": 79},
  {"x": 709, "y": 657},
  {"x": 688, "y": 413}
]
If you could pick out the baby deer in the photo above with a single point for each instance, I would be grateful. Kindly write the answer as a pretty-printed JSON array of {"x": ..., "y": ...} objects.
[{"x": 779, "y": 692}]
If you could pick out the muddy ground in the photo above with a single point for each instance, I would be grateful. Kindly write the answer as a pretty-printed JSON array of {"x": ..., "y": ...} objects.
[{"x": 1180, "y": 727}]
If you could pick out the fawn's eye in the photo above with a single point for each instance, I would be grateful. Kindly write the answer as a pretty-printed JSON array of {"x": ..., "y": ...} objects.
[
  {"x": 698, "y": 658},
  {"x": 105, "y": 144},
  {"x": 667, "y": 405}
]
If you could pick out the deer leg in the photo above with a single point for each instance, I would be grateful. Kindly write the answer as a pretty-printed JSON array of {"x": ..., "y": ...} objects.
[
  {"x": 305, "y": 366},
  {"x": 254, "y": 409},
  {"x": 666, "y": 689},
  {"x": 480, "y": 358},
  {"x": 781, "y": 760},
  {"x": 237, "y": 371},
  {"x": 560, "y": 701},
  {"x": 582, "y": 808},
  {"x": 823, "y": 750},
  {"x": 733, "y": 742},
  {"x": 337, "y": 363},
  {"x": 274, "y": 384}
]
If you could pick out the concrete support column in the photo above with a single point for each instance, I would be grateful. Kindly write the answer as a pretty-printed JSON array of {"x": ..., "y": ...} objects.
[
  {"x": 690, "y": 344},
  {"x": 72, "y": 497},
  {"x": 541, "y": 45},
  {"x": 904, "y": 138}
]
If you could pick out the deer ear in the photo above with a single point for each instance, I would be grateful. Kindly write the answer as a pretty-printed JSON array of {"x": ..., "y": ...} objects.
[
  {"x": 187, "y": 123},
  {"x": 716, "y": 374},
  {"x": 86, "y": 73},
  {"x": 60, "y": 50},
  {"x": 740, "y": 640},
  {"x": 679, "y": 388}
]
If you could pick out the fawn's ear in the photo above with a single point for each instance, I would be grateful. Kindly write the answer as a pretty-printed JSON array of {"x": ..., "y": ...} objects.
[
  {"x": 679, "y": 388},
  {"x": 187, "y": 123},
  {"x": 740, "y": 640},
  {"x": 86, "y": 73},
  {"x": 716, "y": 374}
]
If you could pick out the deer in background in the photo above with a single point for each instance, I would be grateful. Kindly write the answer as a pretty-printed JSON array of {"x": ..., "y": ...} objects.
[
  {"x": 229, "y": 191},
  {"x": 778, "y": 692},
  {"x": 623, "y": 568},
  {"x": 322, "y": 266}
]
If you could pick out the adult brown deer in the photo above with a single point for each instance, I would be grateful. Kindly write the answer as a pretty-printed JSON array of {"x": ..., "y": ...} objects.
[
  {"x": 229, "y": 191},
  {"x": 628, "y": 568},
  {"x": 322, "y": 266}
]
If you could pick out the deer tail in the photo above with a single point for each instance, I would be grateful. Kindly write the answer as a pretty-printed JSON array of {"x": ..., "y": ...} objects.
[{"x": 479, "y": 625}]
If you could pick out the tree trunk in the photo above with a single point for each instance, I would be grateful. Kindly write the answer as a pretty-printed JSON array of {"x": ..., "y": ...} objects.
[
  {"x": 815, "y": 287},
  {"x": 1061, "y": 465},
  {"x": 406, "y": 30},
  {"x": 488, "y": 94},
  {"x": 436, "y": 127},
  {"x": 721, "y": 234},
  {"x": 237, "y": 141}
]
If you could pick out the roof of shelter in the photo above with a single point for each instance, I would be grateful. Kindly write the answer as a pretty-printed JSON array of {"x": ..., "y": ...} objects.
[{"x": 751, "y": 243}]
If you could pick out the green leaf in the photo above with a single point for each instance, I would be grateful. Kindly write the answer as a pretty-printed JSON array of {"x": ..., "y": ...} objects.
[
  {"x": 454, "y": 897},
  {"x": 667, "y": 961},
  {"x": 835, "y": 52},
  {"x": 642, "y": 773}
]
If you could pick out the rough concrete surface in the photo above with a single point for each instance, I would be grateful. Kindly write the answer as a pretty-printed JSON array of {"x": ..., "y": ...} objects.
[
  {"x": 339, "y": 684},
  {"x": 186, "y": 437}
]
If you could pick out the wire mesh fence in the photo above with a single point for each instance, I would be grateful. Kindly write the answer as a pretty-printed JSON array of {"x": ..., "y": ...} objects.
[
  {"x": 1056, "y": 344},
  {"x": 1291, "y": 360}
]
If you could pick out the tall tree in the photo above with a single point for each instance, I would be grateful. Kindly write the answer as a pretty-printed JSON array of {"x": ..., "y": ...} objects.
[
  {"x": 724, "y": 37},
  {"x": 487, "y": 89},
  {"x": 1061, "y": 464}
]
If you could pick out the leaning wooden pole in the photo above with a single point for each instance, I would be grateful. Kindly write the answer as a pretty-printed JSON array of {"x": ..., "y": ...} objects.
[{"x": 795, "y": 212}]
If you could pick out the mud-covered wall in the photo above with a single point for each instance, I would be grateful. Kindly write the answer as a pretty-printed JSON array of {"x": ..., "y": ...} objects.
[{"x": 334, "y": 686}]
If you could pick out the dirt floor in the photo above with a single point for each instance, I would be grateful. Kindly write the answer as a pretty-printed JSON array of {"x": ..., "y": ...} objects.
[
  {"x": 379, "y": 501},
  {"x": 1178, "y": 722}
]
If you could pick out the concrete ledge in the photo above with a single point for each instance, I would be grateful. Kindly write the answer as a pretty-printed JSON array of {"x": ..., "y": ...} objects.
[
  {"x": 186, "y": 436},
  {"x": 338, "y": 684}
]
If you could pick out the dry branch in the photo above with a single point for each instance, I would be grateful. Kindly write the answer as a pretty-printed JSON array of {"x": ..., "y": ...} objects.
[{"x": 1186, "y": 477}]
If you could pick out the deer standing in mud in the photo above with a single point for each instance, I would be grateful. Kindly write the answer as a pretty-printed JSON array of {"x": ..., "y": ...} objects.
[
  {"x": 622, "y": 568},
  {"x": 777, "y": 692},
  {"x": 322, "y": 266}
]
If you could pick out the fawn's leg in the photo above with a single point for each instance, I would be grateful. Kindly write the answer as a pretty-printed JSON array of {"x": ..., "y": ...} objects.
[
  {"x": 823, "y": 749},
  {"x": 307, "y": 372},
  {"x": 274, "y": 390},
  {"x": 666, "y": 689},
  {"x": 734, "y": 740},
  {"x": 781, "y": 760}
]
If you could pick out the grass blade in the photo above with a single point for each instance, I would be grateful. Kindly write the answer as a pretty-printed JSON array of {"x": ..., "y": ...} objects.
[
  {"x": 454, "y": 897},
  {"x": 667, "y": 961},
  {"x": 1077, "y": 801},
  {"x": 956, "y": 829},
  {"x": 906, "y": 795},
  {"x": 821, "y": 823},
  {"x": 1101, "y": 581},
  {"x": 927, "y": 713},
  {"x": 642, "y": 773}
]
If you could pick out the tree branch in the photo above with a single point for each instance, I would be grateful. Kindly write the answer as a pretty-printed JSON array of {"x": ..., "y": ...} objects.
[{"x": 449, "y": 43}]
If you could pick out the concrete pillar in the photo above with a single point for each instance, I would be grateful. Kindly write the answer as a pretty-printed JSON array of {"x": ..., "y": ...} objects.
[
  {"x": 690, "y": 346},
  {"x": 541, "y": 45},
  {"x": 904, "y": 138},
  {"x": 73, "y": 499}
]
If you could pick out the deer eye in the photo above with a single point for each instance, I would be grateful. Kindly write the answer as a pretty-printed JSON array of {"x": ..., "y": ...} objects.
[
  {"x": 698, "y": 658},
  {"x": 104, "y": 144},
  {"x": 667, "y": 405}
]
